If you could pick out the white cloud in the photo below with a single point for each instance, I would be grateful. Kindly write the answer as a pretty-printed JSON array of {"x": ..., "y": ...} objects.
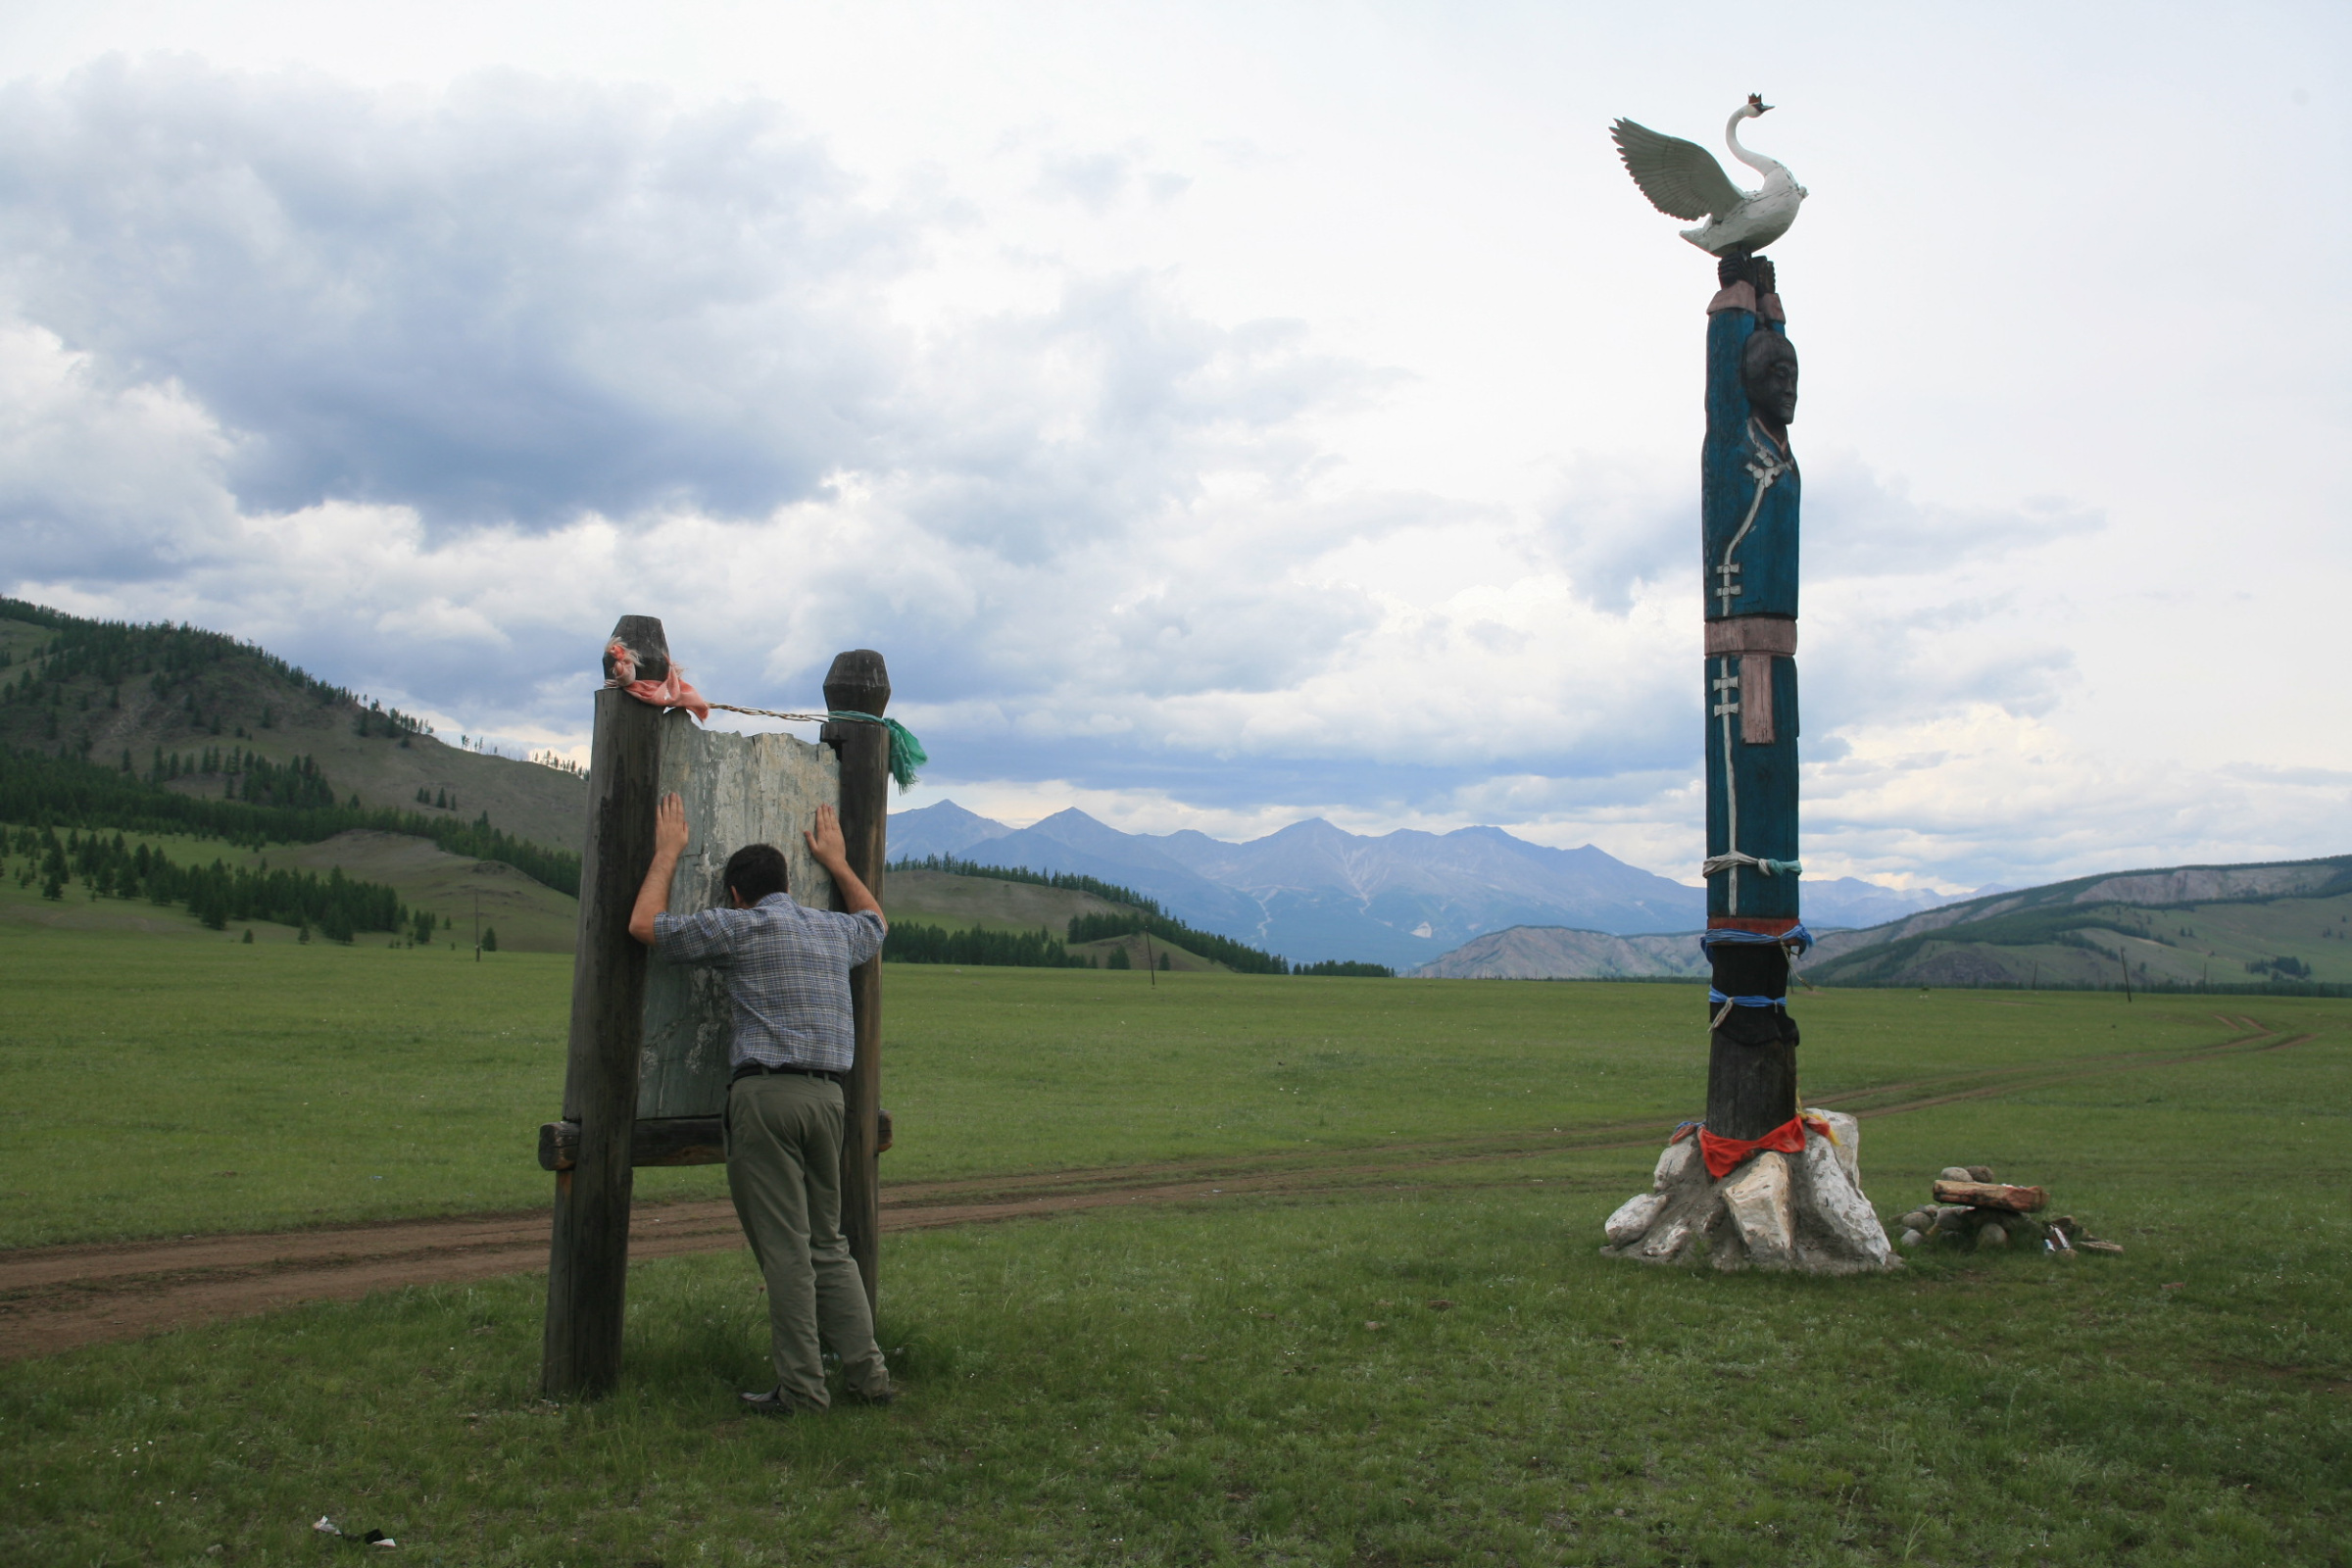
[
  {"x": 1196, "y": 488},
  {"x": 95, "y": 471}
]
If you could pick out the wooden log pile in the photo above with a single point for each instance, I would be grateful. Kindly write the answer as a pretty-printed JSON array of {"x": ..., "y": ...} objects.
[{"x": 1968, "y": 1209}]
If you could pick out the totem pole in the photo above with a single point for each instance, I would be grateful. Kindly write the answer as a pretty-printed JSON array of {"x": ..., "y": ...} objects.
[
  {"x": 1761, "y": 1182},
  {"x": 1749, "y": 499}
]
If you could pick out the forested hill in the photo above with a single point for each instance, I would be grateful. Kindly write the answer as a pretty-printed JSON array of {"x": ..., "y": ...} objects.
[
  {"x": 69, "y": 793},
  {"x": 201, "y": 715}
]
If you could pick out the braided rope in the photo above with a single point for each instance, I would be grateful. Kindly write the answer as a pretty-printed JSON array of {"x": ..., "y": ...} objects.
[
  {"x": 1731, "y": 857},
  {"x": 907, "y": 754}
]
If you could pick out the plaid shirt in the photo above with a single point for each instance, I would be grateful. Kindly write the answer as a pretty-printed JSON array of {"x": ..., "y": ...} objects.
[{"x": 788, "y": 975}]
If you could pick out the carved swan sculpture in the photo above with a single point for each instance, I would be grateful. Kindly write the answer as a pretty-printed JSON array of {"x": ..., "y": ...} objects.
[{"x": 1682, "y": 180}]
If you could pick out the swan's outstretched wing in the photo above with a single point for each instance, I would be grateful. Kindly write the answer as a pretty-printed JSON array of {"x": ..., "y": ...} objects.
[{"x": 1681, "y": 178}]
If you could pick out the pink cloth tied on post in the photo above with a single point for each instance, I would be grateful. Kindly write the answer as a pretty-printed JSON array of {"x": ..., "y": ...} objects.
[{"x": 670, "y": 691}]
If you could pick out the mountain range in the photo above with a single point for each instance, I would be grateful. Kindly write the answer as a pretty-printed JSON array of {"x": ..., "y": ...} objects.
[{"x": 1313, "y": 891}]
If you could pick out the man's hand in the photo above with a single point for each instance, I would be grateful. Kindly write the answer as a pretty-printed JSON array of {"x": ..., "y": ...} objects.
[
  {"x": 826, "y": 848},
  {"x": 825, "y": 844},
  {"x": 670, "y": 833}
]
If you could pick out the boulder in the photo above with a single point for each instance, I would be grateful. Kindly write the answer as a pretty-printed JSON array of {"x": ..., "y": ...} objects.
[
  {"x": 1778, "y": 1212},
  {"x": 1757, "y": 1201},
  {"x": 1669, "y": 1241},
  {"x": 1837, "y": 1231},
  {"x": 1635, "y": 1217},
  {"x": 1674, "y": 1163},
  {"x": 1845, "y": 1134}
]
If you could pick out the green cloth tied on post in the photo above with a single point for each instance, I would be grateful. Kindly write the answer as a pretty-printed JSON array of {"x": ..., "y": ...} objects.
[{"x": 907, "y": 754}]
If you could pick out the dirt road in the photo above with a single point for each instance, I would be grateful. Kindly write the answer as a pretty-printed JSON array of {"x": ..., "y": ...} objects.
[{"x": 57, "y": 1297}]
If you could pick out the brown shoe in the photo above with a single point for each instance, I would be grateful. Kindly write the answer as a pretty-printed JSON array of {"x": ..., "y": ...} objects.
[{"x": 853, "y": 1396}]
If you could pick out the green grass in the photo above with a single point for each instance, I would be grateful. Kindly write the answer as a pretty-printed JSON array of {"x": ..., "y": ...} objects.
[
  {"x": 343, "y": 1084},
  {"x": 1205, "y": 1385},
  {"x": 1208, "y": 1387}
]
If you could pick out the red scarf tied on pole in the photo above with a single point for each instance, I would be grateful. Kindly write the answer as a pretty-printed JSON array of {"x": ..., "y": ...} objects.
[
  {"x": 670, "y": 691},
  {"x": 1722, "y": 1154}
]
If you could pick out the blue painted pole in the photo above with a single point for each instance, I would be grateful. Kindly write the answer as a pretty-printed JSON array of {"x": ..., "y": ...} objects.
[{"x": 1750, "y": 492}]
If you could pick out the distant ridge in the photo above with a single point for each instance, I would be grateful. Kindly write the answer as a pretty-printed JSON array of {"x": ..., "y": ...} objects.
[
  {"x": 1555, "y": 953},
  {"x": 1313, "y": 891},
  {"x": 2219, "y": 927},
  {"x": 2259, "y": 923}
]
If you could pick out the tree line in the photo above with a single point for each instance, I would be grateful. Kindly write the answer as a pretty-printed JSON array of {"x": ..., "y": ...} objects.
[
  {"x": 909, "y": 943},
  {"x": 245, "y": 775},
  {"x": 337, "y": 907},
  {"x": 1148, "y": 917},
  {"x": 66, "y": 792},
  {"x": 1236, "y": 956}
]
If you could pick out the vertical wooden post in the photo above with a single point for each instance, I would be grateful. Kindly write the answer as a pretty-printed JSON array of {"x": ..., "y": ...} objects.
[
  {"x": 588, "y": 1261},
  {"x": 1750, "y": 501},
  {"x": 858, "y": 682}
]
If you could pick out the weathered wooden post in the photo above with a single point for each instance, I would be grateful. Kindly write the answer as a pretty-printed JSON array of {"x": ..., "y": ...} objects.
[
  {"x": 859, "y": 684},
  {"x": 646, "y": 1076},
  {"x": 588, "y": 1261}
]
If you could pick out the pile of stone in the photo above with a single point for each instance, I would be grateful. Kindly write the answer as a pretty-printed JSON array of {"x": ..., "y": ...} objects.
[
  {"x": 1802, "y": 1212},
  {"x": 1970, "y": 1209}
]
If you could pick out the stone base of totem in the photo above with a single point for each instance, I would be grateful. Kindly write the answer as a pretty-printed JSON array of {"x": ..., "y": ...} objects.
[{"x": 1800, "y": 1213}]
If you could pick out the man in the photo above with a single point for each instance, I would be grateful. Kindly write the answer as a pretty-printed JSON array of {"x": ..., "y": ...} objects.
[{"x": 787, "y": 969}]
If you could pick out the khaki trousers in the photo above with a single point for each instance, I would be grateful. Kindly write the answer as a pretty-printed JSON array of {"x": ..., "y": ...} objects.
[{"x": 784, "y": 1170}]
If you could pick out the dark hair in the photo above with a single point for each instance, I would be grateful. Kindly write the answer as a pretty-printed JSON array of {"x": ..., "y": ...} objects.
[{"x": 755, "y": 871}]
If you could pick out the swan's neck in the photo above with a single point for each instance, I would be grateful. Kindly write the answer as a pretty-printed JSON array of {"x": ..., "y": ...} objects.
[{"x": 1755, "y": 161}]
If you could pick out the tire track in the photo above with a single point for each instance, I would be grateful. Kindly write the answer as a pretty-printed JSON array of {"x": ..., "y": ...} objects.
[{"x": 59, "y": 1297}]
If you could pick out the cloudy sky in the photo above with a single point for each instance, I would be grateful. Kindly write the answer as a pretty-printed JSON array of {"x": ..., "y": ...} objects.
[{"x": 1223, "y": 414}]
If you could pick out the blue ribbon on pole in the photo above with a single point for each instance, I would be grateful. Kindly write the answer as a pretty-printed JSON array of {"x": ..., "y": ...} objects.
[{"x": 1796, "y": 939}]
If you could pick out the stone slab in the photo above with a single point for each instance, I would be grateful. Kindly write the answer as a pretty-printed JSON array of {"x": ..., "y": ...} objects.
[
  {"x": 738, "y": 790},
  {"x": 1756, "y": 1197}
]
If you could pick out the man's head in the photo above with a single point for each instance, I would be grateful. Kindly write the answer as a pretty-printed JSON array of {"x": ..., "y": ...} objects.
[
  {"x": 754, "y": 872},
  {"x": 1768, "y": 372}
]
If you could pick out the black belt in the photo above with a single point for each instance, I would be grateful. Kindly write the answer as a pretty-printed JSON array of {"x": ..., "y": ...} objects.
[{"x": 755, "y": 1069}]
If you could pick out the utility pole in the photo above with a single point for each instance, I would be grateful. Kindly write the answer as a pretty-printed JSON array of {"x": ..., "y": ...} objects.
[{"x": 477, "y": 926}]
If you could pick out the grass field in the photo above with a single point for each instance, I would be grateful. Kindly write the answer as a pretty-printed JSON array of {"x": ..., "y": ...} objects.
[
  {"x": 1236, "y": 1381},
  {"x": 279, "y": 1085}
]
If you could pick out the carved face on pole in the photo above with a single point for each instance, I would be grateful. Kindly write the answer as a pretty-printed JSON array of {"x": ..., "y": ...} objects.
[{"x": 1768, "y": 372}]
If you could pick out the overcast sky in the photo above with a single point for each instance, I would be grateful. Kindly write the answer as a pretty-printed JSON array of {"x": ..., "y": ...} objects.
[{"x": 1223, "y": 414}]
